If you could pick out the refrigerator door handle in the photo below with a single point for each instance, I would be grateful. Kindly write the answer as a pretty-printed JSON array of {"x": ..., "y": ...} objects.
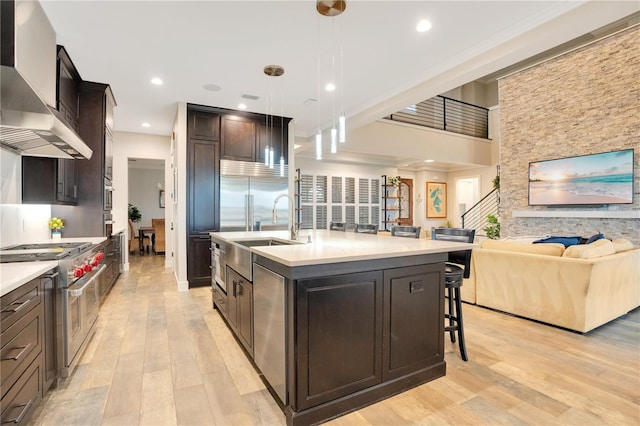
[
  {"x": 251, "y": 222},
  {"x": 247, "y": 203}
]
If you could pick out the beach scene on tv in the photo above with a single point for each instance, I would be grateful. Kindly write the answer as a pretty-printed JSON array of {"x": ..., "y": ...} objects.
[{"x": 604, "y": 178}]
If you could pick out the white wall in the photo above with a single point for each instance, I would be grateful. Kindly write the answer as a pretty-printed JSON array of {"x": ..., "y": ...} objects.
[
  {"x": 144, "y": 188},
  {"x": 24, "y": 223},
  {"x": 10, "y": 177},
  {"x": 179, "y": 164},
  {"x": 137, "y": 145},
  {"x": 19, "y": 223}
]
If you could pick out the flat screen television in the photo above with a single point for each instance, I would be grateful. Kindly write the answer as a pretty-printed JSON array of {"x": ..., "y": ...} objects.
[{"x": 595, "y": 179}]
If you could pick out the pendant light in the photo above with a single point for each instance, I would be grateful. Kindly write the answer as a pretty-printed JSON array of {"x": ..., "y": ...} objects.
[
  {"x": 332, "y": 8},
  {"x": 272, "y": 71}
]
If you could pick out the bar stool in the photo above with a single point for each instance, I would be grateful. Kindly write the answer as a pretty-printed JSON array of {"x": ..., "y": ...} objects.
[
  {"x": 338, "y": 226},
  {"x": 366, "y": 228},
  {"x": 406, "y": 231},
  {"x": 453, "y": 280}
]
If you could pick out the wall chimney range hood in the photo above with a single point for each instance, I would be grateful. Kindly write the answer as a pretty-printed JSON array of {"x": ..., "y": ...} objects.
[{"x": 28, "y": 124}]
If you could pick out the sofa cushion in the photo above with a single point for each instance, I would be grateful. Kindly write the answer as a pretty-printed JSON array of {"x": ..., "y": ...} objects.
[
  {"x": 551, "y": 249},
  {"x": 620, "y": 244},
  {"x": 598, "y": 248}
]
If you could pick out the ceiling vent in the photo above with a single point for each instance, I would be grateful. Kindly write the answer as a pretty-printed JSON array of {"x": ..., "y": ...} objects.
[{"x": 251, "y": 97}]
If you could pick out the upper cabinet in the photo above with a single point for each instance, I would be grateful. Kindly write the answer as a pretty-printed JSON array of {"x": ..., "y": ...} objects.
[
  {"x": 67, "y": 89},
  {"x": 238, "y": 138},
  {"x": 204, "y": 125}
]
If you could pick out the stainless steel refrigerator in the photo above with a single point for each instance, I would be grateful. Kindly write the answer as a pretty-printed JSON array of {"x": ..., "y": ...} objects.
[{"x": 247, "y": 194}]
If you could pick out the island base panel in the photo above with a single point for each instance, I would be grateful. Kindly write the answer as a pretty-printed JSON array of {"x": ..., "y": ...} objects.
[{"x": 355, "y": 401}]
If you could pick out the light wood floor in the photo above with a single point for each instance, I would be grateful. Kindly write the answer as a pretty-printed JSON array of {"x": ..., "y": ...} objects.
[{"x": 164, "y": 357}]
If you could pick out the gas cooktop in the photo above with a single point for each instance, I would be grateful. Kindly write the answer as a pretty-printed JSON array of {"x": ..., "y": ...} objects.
[{"x": 44, "y": 251}]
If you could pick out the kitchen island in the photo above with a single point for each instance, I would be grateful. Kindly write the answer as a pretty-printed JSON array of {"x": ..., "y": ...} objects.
[{"x": 338, "y": 323}]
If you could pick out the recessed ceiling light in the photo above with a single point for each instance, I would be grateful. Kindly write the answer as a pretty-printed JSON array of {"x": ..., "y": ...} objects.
[
  {"x": 242, "y": 106},
  {"x": 429, "y": 161},
  {"x": 157, "y": 81},
  {"x": 146, "y": 125},
  {"x": 330, "y": 87},
  {"x": 212, "y": 87},
  {"x": 423, "y": 26}
]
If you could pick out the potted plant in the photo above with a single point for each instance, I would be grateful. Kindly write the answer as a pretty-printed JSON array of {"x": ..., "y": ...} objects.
[
  {"x": 134, "y": 213},
  {"x": 393, "y": 181},
  {"x": 492, "y": 231},
  {"x": 56, "y": 224},
  {"x": 496, "y": 182}
]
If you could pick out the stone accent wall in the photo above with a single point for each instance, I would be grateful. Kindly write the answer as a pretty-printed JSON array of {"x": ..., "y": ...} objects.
[{"x": 583, "y": 102}]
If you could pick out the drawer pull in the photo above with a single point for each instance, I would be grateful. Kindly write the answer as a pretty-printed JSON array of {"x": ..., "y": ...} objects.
[
  {"x": 20, "y": 306},
  {"x": 15, "y": 358},
  {"x": 24, "y": 411}
]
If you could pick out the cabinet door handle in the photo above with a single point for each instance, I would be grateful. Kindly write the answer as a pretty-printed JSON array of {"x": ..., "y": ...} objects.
[
  {"x": 15, "y": 358},
  {"x": 24, "y": 411},
  {"x": 20, "y": 306}
]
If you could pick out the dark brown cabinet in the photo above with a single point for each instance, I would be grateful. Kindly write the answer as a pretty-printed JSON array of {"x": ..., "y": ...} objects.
[
  {"x": 49, "y": 181},
  {"x": 214, "y": 134},
  {"x": 240, "y": 308},
  {"x": 203, "y": 185},
  {"x": 198, "y": 261},
  {"x": 21, "y": 341},
  {"x": 67, "y": 181},
  {"x": 96, "y": 118},
  {"x": 339, "y": 329},
  {"x": 412, "y": 296},
  {"x": 204, "y": 125},
  {"x": 352, "y": 338},
  {"x": 67, "y": 89},
  {"x": 238, "y": 138}
]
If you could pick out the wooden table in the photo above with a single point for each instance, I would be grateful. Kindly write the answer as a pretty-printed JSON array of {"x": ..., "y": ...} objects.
[{"x": 142, "y": 232}]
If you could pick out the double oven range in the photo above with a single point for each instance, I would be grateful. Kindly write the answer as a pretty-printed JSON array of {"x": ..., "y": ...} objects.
[{"x": 78, "y": 290}]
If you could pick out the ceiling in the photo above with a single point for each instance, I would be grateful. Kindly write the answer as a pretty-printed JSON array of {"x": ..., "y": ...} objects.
[{"x": 385, "y": 63}]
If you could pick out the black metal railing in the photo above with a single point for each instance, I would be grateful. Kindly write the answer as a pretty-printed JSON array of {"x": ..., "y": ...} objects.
[
  {"x": 447, "y": 114},
  {"x": 476, "y": 216}
]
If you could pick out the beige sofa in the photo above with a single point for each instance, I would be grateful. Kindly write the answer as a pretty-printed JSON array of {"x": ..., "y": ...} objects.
[{"x": 579, "y": 288}]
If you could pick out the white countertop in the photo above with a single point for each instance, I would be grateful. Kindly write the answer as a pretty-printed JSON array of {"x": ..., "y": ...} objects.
[
  {"x": 335, "y": 246},
  {"x": 13, "y": 275},
  {"x": 92, "y": 240}
]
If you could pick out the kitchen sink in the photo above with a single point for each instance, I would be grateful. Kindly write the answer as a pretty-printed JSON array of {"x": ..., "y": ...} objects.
[
  {"x": 266, "y": 242},
  {"x": 240, "y": 258}
]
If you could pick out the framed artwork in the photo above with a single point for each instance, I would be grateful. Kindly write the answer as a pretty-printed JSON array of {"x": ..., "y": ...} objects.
[
  {"x": 161, "y": 198},
  {"x": 436, "y": 200}
]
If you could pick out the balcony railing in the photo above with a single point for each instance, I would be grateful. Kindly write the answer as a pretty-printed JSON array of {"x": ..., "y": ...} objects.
[{"x": 447, "y": 114}]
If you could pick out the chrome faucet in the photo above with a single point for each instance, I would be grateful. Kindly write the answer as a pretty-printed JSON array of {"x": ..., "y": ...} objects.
[{"x": 294, "y": 231}]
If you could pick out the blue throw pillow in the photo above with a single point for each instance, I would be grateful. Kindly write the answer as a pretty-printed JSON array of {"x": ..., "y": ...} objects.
[
  {"x": 594, "y": 238},
  {"x": 566, "y": 241}
]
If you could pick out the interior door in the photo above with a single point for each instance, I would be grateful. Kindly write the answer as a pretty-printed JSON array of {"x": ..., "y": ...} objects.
[{"x": 406, "y": 202}]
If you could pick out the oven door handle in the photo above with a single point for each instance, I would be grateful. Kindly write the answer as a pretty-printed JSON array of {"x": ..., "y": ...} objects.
[{"x": 78, "y": 292}]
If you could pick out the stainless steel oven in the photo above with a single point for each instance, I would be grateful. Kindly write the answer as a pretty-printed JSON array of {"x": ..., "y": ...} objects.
[
  {"x": 108, "y": 195},
  {"x": 80, "y": 267},
  {"x": 80, "y": 312}
]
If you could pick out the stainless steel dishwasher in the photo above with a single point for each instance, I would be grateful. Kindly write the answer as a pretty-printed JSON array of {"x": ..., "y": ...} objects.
[{"x": 269, "y": 327}]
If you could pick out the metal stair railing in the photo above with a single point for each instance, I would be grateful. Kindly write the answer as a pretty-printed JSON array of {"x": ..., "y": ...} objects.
[{"x": 476, "y": 216}]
